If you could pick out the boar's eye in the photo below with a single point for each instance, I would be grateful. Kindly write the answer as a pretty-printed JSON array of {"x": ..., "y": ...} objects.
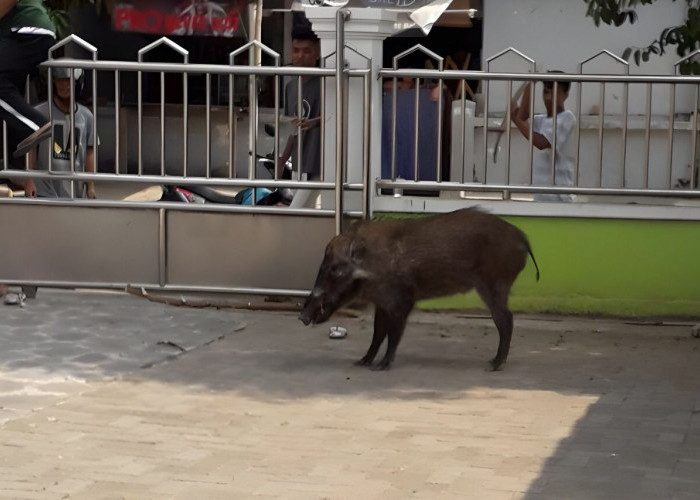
[{"x": 338, "y": 271}]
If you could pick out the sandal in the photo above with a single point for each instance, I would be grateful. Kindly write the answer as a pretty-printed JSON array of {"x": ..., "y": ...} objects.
[{"x": 14, "y": 299}]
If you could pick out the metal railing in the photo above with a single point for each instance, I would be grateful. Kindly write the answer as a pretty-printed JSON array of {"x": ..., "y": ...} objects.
[
  {"x": 626, "y": 134},
  {"x": 136, "y": 168}
]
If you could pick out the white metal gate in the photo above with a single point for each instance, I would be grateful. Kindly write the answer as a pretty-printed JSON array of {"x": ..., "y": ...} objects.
[{"x": 170, "y": 245}]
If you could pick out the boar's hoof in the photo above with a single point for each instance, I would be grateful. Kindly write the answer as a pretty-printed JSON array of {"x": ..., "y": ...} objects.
[
  {"x": 380, "y": 367},
  {"x": 496, "y": 366},
  {"x": 363, "y": 362}
]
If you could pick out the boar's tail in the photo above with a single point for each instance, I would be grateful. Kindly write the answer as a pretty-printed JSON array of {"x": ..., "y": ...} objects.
[{"x": 532, "y": 256}]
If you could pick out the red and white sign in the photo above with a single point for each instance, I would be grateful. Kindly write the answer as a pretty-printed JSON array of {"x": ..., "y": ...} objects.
[{"x": 191, "y": 17}]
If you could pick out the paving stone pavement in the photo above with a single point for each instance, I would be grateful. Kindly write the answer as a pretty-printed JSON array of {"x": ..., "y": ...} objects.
[{"x": 252, "y": 404}]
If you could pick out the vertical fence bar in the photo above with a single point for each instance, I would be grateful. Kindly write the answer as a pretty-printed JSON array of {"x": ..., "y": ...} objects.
[
  {"x": 252, "y": 123},
  {"x": 671, "y": 125},
  {"x": 439, "y": 131},
  {"x": 506, "y": 121},
  {"x": 463, "y": 126},
  {"x": 50, "y": 108},
  {"x": 162, "y": 123},
  {"x": 647, "y": 137},
  {"x": 577, "y": 160},
  {"x": 276, "y": 145},
  {"x": 486, "y": 131},
  {"x": 340, "y": 18},
  {"x": 162, "y": 249},
  {"x": 5, "y": 160},
  {"x": 27, "y": 98},
  {"x": 117, "y": 94},
  {"x": 139, "y": 115},
  {"x": 625, "y": 112},
  {"x": 393, "y": 126},
  {"x": 694, "y": 139},
  {"x": 530, "y": 144},
  {"x": 299, "y": 133},
  {"x": 555, "y": 112},
  {"x": 416, "y": 105},
  {"x": 232, "y": 127},
  {"x": 185, "y": 120},
  {"x": 322, "y": 113},
  {"x": 366, "y": 177},
  {"x": 601, "y": 125},
  {"x": 72, "y": 128},
  {"x": 208, "y": 125},
  {"x": 95, "y": 138},
  {"x": 346, "y": 111},
  {"x": 4, "y": 145}
]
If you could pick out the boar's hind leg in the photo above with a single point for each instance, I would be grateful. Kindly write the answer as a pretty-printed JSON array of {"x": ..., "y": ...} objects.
[{"x": 496, "y": 298}]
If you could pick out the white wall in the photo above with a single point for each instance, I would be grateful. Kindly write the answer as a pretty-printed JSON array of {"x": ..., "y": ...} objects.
[{"x": 558, "y": 35}]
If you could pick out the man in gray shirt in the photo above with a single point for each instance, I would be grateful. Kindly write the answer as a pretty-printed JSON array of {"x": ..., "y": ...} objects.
[
  {"x": 60, "y": 152},
  {"x": 305, "y": 53}
]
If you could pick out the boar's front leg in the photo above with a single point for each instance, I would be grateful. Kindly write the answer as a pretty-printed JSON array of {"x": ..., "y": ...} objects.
[
  {"x": 380, "y": 330},
  {"x": 387, "y": 323},
  {"x": 394, "y": 325}
]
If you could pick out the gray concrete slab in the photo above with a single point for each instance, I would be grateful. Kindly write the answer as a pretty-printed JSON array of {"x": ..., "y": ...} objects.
[
  {"x": 62, "y": 340},
  {"x": 261, "y": 406}
]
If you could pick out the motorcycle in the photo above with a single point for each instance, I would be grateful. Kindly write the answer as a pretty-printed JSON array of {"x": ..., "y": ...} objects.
[{"x": 262, "y": 196}]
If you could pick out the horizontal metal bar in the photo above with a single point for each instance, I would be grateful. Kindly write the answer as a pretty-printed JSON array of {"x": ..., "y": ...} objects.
[
  {"x": 77, "y": 284},
  {"x": 195, "y": 68},
  {"x": 155, "y": 287},
  {"x": 454, "y": 186},
  {"x": 383, "y": 73},
  {"x": 535, "y": 77},
  {"x": 173, "y": 180},
  {"x": 171, "y": 205},
  {"x": 238, "y": 290}
]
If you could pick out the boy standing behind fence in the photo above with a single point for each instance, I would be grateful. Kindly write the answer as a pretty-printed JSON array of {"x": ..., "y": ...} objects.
[
  {"x": 542, "y": 132},
  {"x": 84, "y": 151}
]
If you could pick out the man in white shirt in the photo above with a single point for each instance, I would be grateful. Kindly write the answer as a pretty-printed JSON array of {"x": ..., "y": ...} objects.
[{"x": 542, "y": 136}]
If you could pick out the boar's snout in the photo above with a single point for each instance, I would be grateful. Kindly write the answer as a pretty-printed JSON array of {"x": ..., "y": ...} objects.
[
  {"x": 313, "y": 310},
  {"x": 317, "y": 308},
  {"x": 304, "y": 317}
]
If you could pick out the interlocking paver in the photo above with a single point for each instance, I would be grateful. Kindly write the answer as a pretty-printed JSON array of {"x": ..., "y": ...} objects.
[{"x": 584, "y": 408}]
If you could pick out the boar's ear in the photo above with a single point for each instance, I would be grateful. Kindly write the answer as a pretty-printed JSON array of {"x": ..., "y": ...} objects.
[
  {"x": 357, "y": 250},
  {"x": 351, "y": 228}
]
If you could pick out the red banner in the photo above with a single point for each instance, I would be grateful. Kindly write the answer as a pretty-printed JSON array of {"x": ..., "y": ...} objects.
[{"x": 192, "y": 17}]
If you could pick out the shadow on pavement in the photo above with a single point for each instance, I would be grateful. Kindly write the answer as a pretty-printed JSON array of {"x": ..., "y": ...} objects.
[{"x": 621, "y": 401}]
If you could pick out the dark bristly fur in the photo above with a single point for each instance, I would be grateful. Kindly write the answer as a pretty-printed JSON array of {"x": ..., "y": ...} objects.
[{"x": 396, "y": 263}]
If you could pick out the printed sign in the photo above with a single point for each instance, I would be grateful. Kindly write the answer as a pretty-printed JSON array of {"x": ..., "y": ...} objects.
[{"x": 192, "y": 17}]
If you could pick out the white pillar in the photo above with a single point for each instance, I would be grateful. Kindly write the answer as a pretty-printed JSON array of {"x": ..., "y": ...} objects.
[{"x": 365, "y": 30}]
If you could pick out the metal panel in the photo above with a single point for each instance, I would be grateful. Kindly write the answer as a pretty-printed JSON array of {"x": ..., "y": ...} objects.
[
  {"x": 78, "y": 244},
  {"x": 245, "y": 250}
]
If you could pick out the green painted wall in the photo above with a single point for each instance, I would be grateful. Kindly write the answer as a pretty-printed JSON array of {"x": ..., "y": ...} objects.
[{"x": 631, "y": 268}]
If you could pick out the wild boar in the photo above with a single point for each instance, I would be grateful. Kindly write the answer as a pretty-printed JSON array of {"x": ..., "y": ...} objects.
[{"x": 395, "y": 263}]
